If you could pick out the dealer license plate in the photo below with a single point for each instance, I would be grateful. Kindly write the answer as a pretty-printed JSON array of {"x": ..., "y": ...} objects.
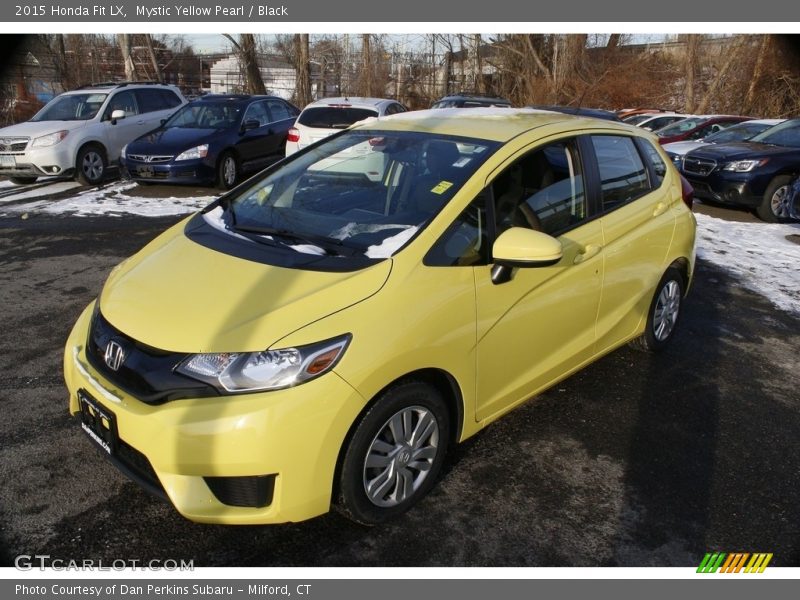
[{"x": 98, "y": 422}]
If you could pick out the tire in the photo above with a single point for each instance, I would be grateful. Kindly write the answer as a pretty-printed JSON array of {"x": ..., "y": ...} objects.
[
  {"x": 774, "y": 208},
  {"x": 663, "y": 314},
  {"x": 23, "y": 180},
  {"x": 381, "y": 475},
  {"x": 227, "y": 171},
  {"x": 90, "y": 168}
]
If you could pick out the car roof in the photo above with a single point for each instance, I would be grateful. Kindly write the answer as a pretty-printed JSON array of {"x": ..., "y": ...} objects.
[
  {"x": 110, "y": 85},
  {"x": 473, "y": 97},
  {"x": 233, "y": 98},
  {"x": 489, "y": 123},
  {"x": 352, "y": 101}
]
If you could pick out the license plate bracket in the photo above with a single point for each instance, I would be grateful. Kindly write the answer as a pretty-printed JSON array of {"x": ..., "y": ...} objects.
[
  {"x": 99, "y": 423},
  {"x": 146, "y": 172}
]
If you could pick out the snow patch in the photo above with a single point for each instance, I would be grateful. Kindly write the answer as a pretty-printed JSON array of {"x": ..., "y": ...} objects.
[
  {"x": 758, "y": 254},
  {"x": 391, "y": 244}
]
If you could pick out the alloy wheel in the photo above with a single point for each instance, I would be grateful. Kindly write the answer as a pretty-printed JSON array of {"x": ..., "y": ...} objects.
[
  {"x": 666, "y": 311},
  {"x": 400, "y": 457}
]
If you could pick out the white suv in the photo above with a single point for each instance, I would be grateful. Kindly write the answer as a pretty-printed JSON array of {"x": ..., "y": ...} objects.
[
  {"x": 324, "y": 117},
  {"x": 81, "y": 132}
]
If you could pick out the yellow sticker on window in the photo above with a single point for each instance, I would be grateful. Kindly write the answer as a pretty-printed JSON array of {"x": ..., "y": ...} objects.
[{"x": 442, "y": 187}]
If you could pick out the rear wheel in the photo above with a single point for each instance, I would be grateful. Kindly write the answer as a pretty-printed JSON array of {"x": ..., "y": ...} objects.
[
  {"x": 774, "y": 207},
  {"x": 395, "y": 453},
  {"x": 665, "y": 309},
  {"x": 91, "y": 165}
]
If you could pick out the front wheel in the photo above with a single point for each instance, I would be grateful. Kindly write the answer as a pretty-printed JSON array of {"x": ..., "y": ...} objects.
[
  {"x": 91, "y": 165},
  {"x": 665, "y": 309},
  {"x": 774, "y": 207},
  {"x": 227, "y": 171},
  {"x": 394, "y": 454}
]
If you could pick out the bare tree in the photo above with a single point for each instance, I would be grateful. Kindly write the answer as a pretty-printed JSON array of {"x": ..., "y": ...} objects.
[
  {"x": 758, "y": 71},
  {"x": 246, "y": 51},
  {"x": 366, "y": 57},
  {"x": 732, "y": 56},
  {"x": 302, "y": 70},
  {"x": 148, "y": 40},
  {"x": 124, "y": 41},
  {"x": 690, "y": 68}
]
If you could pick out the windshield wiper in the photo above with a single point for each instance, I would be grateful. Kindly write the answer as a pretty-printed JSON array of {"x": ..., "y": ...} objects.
[{"x": 331, "y": 246}]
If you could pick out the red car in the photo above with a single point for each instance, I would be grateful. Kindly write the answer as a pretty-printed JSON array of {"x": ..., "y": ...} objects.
[{"x": 695, "y": 128}]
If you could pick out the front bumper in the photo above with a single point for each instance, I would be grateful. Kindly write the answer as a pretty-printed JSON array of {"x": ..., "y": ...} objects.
[
  {"x": 736, "y": 192},
  {"x": 38, "y": 162},
  {"x": 290, "y": 437},
  {"x": 184, "y": 171}
]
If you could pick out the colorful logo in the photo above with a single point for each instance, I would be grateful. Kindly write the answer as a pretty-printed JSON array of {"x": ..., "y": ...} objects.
[{"x": 735, "y": 562}]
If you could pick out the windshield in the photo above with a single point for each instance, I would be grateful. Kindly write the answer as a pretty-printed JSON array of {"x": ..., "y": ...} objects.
[
  {"x": 784, "y": 134},
  {"x": 71, "y": 107},
  {"x": 361, "y": 193},
  {"x": 681, "y": 127},
  {"x": 206, "y": 115},
  {"x": 334, "y": 117},
  {"x": 737, "y": 133}
]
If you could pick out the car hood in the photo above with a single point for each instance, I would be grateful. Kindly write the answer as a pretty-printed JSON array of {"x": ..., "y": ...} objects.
[
  {"x": 682, "y": 148},
  {"x": 741, "y": 150},
  {"x": 33, "y": 129},
  {"x": 178, "y": 296},
  {"x": 171, "y": 141}
]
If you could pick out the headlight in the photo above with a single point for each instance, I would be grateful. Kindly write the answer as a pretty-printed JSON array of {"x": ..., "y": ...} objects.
[
  {"x": 196, "y": 152},
  {"x": 744, "y": 166},
  {"x": 266, "y": 370},
  {"x": 123, "y": 152},
  {"x": 49, "y": 140}
]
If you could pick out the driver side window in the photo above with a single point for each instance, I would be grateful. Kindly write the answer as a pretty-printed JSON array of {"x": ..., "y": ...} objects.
[{"x": 544, "y": 190}]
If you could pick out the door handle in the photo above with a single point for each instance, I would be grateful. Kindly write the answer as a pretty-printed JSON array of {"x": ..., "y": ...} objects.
[
  {"x": 140, "y": 122},
  {"x": 660, "y": 209},
  {"x": 588, "y": 252}
]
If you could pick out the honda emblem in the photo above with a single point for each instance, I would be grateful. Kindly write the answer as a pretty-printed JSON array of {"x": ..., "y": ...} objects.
[{"x": 114, "y": 355}]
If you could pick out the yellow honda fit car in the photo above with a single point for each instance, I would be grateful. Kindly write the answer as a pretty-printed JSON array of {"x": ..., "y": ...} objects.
[{"x": 322, "y": 334}]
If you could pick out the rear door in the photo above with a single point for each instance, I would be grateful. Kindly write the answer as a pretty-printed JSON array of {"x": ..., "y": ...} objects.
[{"x": 637, "y": 224}]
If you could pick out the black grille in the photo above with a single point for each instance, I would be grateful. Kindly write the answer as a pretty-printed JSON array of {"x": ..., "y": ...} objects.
[
  {"x": 254, "y": 491},
  {"x": 144, "y": 372},
  {"x": 698, "y": 166},
  {"x": 13, "y": 145}
]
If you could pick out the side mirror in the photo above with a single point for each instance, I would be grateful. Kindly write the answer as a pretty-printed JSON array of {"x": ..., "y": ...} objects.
[
  {"x": 523, "y": 248},
  {"x": 250, "y": 124},
  {"x": 117, "y": 115}
]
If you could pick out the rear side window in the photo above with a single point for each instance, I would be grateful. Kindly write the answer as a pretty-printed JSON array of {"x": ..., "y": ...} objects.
[
  {"x": 623, "y": 176},
  {"x": 331, "y": 117}
]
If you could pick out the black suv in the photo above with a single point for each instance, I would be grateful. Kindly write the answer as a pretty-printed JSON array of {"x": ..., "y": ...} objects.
[
  {"x": 756, "y": 173},
  {"x": 470, "y": 101}
]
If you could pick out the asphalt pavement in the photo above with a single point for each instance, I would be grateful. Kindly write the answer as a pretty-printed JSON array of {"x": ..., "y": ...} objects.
[{"x": 638, "y": 460}]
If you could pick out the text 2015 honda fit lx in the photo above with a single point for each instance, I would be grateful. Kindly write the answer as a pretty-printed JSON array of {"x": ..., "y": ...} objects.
[{"x": 322, "y": 334}]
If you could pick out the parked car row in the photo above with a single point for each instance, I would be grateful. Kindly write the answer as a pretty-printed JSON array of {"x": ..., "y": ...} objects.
[{"x": 155, "y": 136}]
